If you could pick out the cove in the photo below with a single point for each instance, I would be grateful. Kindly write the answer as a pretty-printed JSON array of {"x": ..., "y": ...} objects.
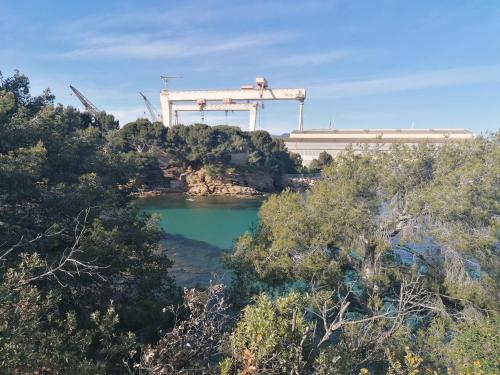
[{"x": 199, "y": 230}]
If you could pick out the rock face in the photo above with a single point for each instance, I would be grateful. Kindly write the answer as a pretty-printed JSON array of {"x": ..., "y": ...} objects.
[{"x": 201, "y": 182}]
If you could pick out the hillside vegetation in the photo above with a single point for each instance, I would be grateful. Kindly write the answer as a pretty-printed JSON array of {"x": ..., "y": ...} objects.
[{"x": 178, "y": 149}]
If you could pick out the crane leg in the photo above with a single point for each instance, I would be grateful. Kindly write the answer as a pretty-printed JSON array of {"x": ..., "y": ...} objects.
[
  {"x": 301, "y": 116},
  {"x": 252, "y": 120}
]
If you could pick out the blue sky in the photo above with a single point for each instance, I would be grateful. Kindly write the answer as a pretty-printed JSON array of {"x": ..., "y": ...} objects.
[{"x": 365, "y": 64}]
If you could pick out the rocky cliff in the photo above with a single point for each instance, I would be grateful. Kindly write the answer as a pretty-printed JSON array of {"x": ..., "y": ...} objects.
[
  {"x": 204, "y": 182},
  {"x": 245, "y": 183}
]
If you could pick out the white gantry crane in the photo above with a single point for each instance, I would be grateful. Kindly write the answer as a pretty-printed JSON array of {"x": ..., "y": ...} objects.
[{"x": 228, "y": 100}]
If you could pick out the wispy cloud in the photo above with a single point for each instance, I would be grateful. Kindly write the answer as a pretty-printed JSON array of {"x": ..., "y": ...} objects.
[
  {"x": 162, "y": 33},
  {"x": 193, "y": 14},
  {"x": 416, "y": 81},
  {"x": 180, "y": 19},
  {"x": 312, "y": 58},
  {"x": 152, "y": 46}
]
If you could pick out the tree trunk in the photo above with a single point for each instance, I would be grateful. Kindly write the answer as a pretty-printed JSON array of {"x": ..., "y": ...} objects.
[{"x": 369, "y": 266}]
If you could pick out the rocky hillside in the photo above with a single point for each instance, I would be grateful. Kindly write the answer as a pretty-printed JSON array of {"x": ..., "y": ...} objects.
[
  {"x": 204, "y": 182},
  {"x": 246, "y": 183}
]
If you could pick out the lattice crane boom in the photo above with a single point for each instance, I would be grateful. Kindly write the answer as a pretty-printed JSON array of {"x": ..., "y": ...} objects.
[
  {"x": 152, "y": 111},
  {"x": 91, "y": 108}
]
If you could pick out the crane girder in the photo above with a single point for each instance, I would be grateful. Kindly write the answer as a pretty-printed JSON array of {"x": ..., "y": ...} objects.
[
  {"x": 241, "y": 94},
  {"x": 214, "y": 107}
]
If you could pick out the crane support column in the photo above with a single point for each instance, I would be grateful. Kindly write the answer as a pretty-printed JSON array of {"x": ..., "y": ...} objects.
[
  {"x": 252, "y": 118},
  {"x": 301, "y": 115},
  {"x": 166, "y": 106},
  {"x": 169, "y": 115}
]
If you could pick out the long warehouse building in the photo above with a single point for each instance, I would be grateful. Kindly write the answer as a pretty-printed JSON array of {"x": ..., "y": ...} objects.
[{"x": 310, "y": 143}]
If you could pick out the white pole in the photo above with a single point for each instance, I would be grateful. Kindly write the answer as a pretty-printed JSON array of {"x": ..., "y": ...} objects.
[
  {"x": 252, "y": 118},
  {"x": 168, "y": 117},
  {"x": 301, "y": 115}
]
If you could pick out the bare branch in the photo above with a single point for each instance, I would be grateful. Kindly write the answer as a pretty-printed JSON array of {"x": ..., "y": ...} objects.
[
  {"x": 68, "y": 263},
  {"x": 194, "y": 343},
  {"x": 22, "y": 243}
]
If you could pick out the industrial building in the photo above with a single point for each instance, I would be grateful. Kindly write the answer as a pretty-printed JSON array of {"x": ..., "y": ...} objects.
[{"x": 310, "y": 143}]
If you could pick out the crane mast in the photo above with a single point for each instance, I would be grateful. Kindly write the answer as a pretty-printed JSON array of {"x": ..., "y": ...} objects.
[
  {"x": 89, "y": 107},
  {"x": 152, "y": 111}
]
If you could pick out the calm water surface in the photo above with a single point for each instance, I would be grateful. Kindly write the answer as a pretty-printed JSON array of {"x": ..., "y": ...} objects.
[{"x": 199, "y": 230}]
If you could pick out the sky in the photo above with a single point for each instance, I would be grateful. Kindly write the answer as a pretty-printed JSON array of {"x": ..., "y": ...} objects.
[{"x": 365, "y": 64}]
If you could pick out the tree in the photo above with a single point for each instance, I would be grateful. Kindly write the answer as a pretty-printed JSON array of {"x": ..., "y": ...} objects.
[
  {"x": 55, "y": 291},
  {"x": 38, "y": 334},
  {"x": 324, "y": 158},
  {"x": 297, "y": 333},
  {"x": 375, "y": 218},
  {"x": 141, "y": 136}
]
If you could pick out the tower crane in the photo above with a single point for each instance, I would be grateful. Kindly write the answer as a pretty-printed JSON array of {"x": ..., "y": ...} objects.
[
  {"x": 166, "y": 78},
  {"x": 152, "y": 111},
  {"x": 89, "y": 107}
]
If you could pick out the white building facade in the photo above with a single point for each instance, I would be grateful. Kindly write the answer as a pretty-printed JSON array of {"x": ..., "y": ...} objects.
[{"x": 310, "y": 143}]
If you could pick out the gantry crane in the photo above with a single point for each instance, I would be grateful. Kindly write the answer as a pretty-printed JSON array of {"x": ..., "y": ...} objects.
[
  {"x": 227, "y": 100},
  {"x": 89, "y": 107},
  {"x": 152, "y": 111}
]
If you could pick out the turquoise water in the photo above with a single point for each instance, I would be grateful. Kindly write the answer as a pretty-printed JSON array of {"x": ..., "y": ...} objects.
[{"x": 199, "y": 230}]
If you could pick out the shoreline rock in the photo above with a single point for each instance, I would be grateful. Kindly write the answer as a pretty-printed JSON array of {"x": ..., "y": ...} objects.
[
  {"x": 199, "y": 183},
  {"x": 202, "y": 183}
]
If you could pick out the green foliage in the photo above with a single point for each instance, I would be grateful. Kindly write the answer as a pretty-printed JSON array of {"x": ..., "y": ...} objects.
[
  {"x": 38, "y": 335},
  {"x": 140, "y": 135},
  {"x": 181, "y": 148},
  {"x": 282, "y": 250},
  {"x": 269, "y": 334},
  {"x": 199, "y": 145},
  {"x": 437, "y": 206},
  {"x": 411, "y": 364},
  {"x": 475, "y": 341},
  {"x": 64, "y": 191},
  {"x": 324, "y": 158},
  {"x": 7, "y": 103},
  {"x": 365, "y": 201},
  {"x": 468, "y": 346}
]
